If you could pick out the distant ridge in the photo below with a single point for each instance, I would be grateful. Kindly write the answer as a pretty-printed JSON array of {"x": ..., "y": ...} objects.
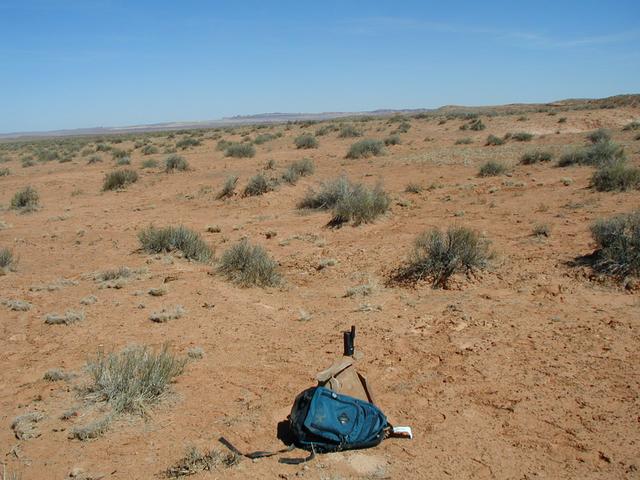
[{"x": 631, "y": 100}]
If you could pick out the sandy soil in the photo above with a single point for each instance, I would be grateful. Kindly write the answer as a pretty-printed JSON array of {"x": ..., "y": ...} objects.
[{"x": 526, "y": 370}]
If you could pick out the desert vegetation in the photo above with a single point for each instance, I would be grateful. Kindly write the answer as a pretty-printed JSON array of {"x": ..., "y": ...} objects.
[
  {"x": 26, "y": 200},
  {"x": 119, "y": 179},
  {"x": 169, "y": 239},
  {"x": 249, "y": 265}
]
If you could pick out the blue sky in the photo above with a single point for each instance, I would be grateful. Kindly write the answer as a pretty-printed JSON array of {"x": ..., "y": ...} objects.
[{"x": 86, "y": 63}]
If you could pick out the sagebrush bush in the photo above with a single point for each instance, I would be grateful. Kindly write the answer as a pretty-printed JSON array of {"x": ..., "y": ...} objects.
[
  {"x": 94, "y": 159},
  {"x": 229, "y": 186},
  {"x": 327, "y": 196},
  {"x": 187, "y": 142},
  {"x": 393, "y": 140},
  {"x": 535, "y": 156},
  {"x": 119, "y": 179},
  {"x": 132, "y": 380},
  {"x": 167, "y": 239},
  {"x": 618, "y": 241},
  {"x": 150, "y": 150},
  {"x": 7, "y": 260},
  {"x": 123, "y": 161},
  {"x": 175, "y": 162},
  {"x": 522, "y": 136},
  {"x": 297, "y": 169},
  {"x": 413, "y": 188},
  {"x": 437, "y": 255},
  {"x": 306, "y": 141},
  {"x": 28, "y": 162},
  {"x": 475, "y": 124},
  {"x": 25, "y": 200},
  {"x": 492, "y": 140},
  {"x": 4, "y": 172},
  {"x": 366, "y": 148},
  {"x": 464, "y": 141},
  {"x": 149, "y": 163},
  {"x": 257, "y": 185},
  {"x": 600, "y": 135},
  {"x": 118, "y": 154},
  {"x": 349, "y": 131},
  {"x": 249, "y": 265},
  {"x": 492, "y": 168},
  {"x": 598, "y": 154},
  {"x": 360, "y": 205},
  {"x": 240, "y": 150},
  {"x": 616, "y": 176},
  {"x": 323, "y": 130},
  {"x": 634, "y": 125}
]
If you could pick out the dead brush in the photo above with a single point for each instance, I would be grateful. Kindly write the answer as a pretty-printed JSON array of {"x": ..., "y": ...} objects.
[{"x": 194, "y": 462}]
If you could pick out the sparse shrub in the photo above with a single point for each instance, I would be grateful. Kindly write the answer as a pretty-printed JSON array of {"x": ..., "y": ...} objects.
[
  {"x": 167, "y": 314},
  {"x": 598, "y": 154},
  {"x": 28, "y": 162},
  {"x": 123, "y": 161},
  {"x": 4, "y": 172},
  {"x": 240, "y": 150},
  {"x": 24, "y": 426},
  {"x": 542, "y": 230},
  {"x": 492, "y": 168},
  {"x": 168, "y": 239},
  {"x": 328, "y": 194},
  {"x": 149, "y": 163},
  {"x": 323, "y": 130},
  {"x": 437, "y": 255},
  {"x": 117, "y": 154},
  {"x": 132, "y": 380},
  {"x": 270, "y": 165},
  {"x": 94, "y": 159},
  {"x": 150, "y": 150},
  {"x": 464, "y": 141},
  {"x": 175, "y": 162},
  {"x": 616, "y": 176},
  {"x": 392, "y": 140},
  {"x": 349, "y": 131},
  {"x": 404, "y": 127},
  {"x": 257, "y": 185},
  {"x": 263, "y": 138},
  {"x": 475, "y": 125},
  {"x": 618, "y": 241},
  {"x": 229, "y": 186},
  {"x": 14, "y": 305},
  {"x": 103, "y": 147},
  {"x": 119, "y": 179},
  {"x": 69, "y": 317},
  {"x": 187, "y": 142},
  {"x": 194, "y": 462},
  {"x": 26, "y": 200},
  {"x": 492, "y": 140},
  {"x": 360, "y": 205},
  {"x": 7, "y": 260},
  {"x": 249, "y": 265},
  {"x": 413, "y": 188},
  {"x": 562, "y": 120},
  {"x": 600, "y": 135},
  {"x": 195, "y": 353},
  {"x": 366, "y": 148},
  {"x": 306, "y": 141},
  {"x": 522, "y": 136},
  {"x": 297, "y": 169},
  {"x": 634, "y": 125},
  {"x": 92, "y": 430},
  {"x": 535, "y": 156},
  {"x": 55, "y": 375},
  {"x": 223, "y": 144}
]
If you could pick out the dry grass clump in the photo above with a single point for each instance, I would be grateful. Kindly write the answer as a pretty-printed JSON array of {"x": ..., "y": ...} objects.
[
  {"x": 149, "y": 163},
  {"x": 634, "y": 125},
  {"x": 393, "y": 139},
  {"x": 132, "y": 380},
  {"x": 535, "y": 156},
  {"x": 413, "y": 188},
  {"x": 249, "y": 265},
  {"x": 168, "y": 239},
  {"x": 7, "y": 260},
  {"x": 306, "y": 140},
  {"x": 522, "y": 136},
  {"x": 492, "y": 140},
  {"x": 349, "y": 131},
  {"x": 618, "y": 241},
  {"x": 599, "y": 153},
  {"x": 16, "y": 305},
  {"x": 437, "y": 255},
  {"x": 24, "y": 426},
  {"x": 175, "y": 162},
  {"x": 56, "y": 375},
  {"x": 69, "y": 317},
  {"x": 599, "y": 135},
  {"x": 492, "y": 168},
  {"x": 464, "y": 141},
  {"x": 240, "y": 150},
  {"x": 4, "y": 172},
  {"x": 119, "y": 179},
  {"x": 149, "y": 150},
  {"x": 229, "y": 187},
  {"x": 167, "y": 314},
  {"x": 194, "y": 462},
  {"x": 25, "y": 200},
  {"x": 257, "y": 185},
  {"x": 94, "y": 159},
  {"x": 366, "y": 148},
  {"x": 617, "y": 176},
  {"x": 542, "y": 230},
  {"x": 187, "y": 142},
  {"x": 297, "y": 169},
  {"x": 117, "y": 278},
  {"x": 91, "y": 430}
]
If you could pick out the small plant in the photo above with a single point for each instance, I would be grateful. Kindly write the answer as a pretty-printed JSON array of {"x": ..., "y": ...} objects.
[
  {"x": 297, "y": 169},
  {"x": 194, "y": 462},
  {"x": 562, "y": 120},
  {"x": 257, "y": 185},
  {"x": 7, "y": 260},
  {"x": 366, "y": 148},
  {"x": 94, "y": 159},
  {"x": 542, "y": 230},
  {"x": 25, "y": 200},
  {"x": 349, "y": 131},
  {"x": 263, "y": 138},
  {"x": 475, "y": 125},
  {"x": 249, "y": 265},
  {"x": 168, "y": 239},
  {"x": 522, "y": 136},
  {"x": 28, "y": 162},
  {"x": 598, "y": 154},
  {"x": 270, "y": 165},
  {"x": 118, "y": 154},
  {"x": 149, "y": 163},
  {"x": 187, "y": 142},
  {"x": 175, "y": 162},
  {"x": 69, "y": 317},
  {"x": 634, "y": 125},
  {"x": 306, "y": 141},
  {"x": 404, "y": 127},
  {"x": 600, "y": 135},
  {"x": 413, "y": 188},
  {"x": 328, "y": 194},
  {"x": 119, "y": 179},
  {"x": 393, "y": 140},
  {"x": 150, "y": 150},
  {"x": 464, "y": 141},
  {"x": 132, "y": 380},
  {"x": 360, "y": 205},
  {"x": 4, "y": 172},
  {"x": 167, "y": 314},
  {"x": 616, "y": 176},
  {"x": 492, "y": 168},
  {"x": 92, "y": 430},
  {"x": 229, "y": 187},
  {"x": 123, "y": 161},
  {"x": 618, "y": 241},
  {"x": 492, "y": 140},
  {"x": 240, "y": 150},
  {"x": 437, "y": 255},
  {"x": 536, "y": 156}
]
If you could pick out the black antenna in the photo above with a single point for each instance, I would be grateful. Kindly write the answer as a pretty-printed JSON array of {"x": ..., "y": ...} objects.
[{"x": 349, "y": 341}]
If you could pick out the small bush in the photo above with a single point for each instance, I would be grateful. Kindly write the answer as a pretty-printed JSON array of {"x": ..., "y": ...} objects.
[
  {"x": 492, "y": 140},
  {"x": 616, "y": 176},
  {"x": 349, "y": 131},
  {"x": 522, "y": 136},
  {"x": 194, "y": 462},
  {"x": 132, "y": 380},
  {"x": 263, "y": 138},
  {"x": 437, "y": 255},
  {"x": 167, "y": 239},
  {"x": 150, "y": 163},
  {"x": 392, "y": 140},
  {"x": 413, "y": 188},
  {"x": 360, "y": 205},
  {"x": 542, "y": 230},
  {"x": 297, "y": 169},
  {"x": 175, "y": 162},
  {"x": 618, "y": 241},
  {"x": 249, "y": 265},
  {"x": 257, "y": 185},
  {"x": 475, "y": 125},
  {"x": 187, "y": 142},
  {"x": 635, "y": 125},
  {"x": 404, "y": 127},
  {"x": 4, "y": 172},
  {"x": 167, "y": 314},
  {"x": 366, "y": 148},
  {"x": 306, "y": 141},
  {"x": 323, "y": 130},
  {"x": 123, "y": 161},
  {"x": 92, "y": 430},
  {"x": 7, "y": 260},
  {"x": 270, "y": 165},
  {"x": 328, "y": 194},
  {"x": 597, "y": 154},
  {"x": 536, "y": 156},
  {"x": 562, "y": 120},
  {"x": 492, "y": 168},
  {"x": 28, "y": 162},
  {"x": 229, "y": 186},
  {"x": 26, "y": 200},
  {"x": 464, "y": 141},
  {"x": 240, "y": 150},
  {"x": 119, "y": 179},
  {"x": 118, "y": 154},
  {"x": 94, "y": 159},
  {"x": 150, "y": 150},
  {"x": 600, "y": 135},
  {"x": 69, "y": 317}
]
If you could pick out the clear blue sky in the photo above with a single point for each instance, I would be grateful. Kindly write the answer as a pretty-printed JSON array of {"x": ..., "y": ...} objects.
[{"x": 85, "y": 63}]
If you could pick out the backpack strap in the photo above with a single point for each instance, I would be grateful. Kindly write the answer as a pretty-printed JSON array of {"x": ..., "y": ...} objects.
[{"x": 257, "y": 454}]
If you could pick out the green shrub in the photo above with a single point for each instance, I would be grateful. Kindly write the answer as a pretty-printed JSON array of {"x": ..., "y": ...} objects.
[
  {"x": 25, "y": 200},
  {"x": 349, "y": 131},
  {"x": 103, "y": 147},
  {"x": 600, "y": 135},
  {"x": 323, "y": 130},
  {"x": 229, "y": 187},
  {"x": 306, "y": 141},
  {"x": 365, "y": 148},
  {"x": 118, "y": 154},
  {"x": 94, "y": 159},
  {"x": 28, "y": 162},
  {"x": 119, "y": 179},
  {"x": 297, "y": 169},
  {"x": 464, "y": 141},
  {"x": 249, "y": 265},
  {"x": 522, "y": 136},
  {"x": 437, "y": 255},
  {"x": 263, "y": 138},
  {"x": 257, "y": 185},
  {"x": 123, "y": 161},
  {"x": 150, "y": 150},
  {"x": 167, "y": 239},
  {"x": 492, "y": 140},
  {"x": 4, "y": 172},
  {"x": 240, "y": 150},
  {"x": 392, "y": 140},
  {"x": 616, "y": 176},
  {"x": 598, "y": 154},
  {"x": 132, "y": 380},
  {"x": 535, "y": 156},
  {"x": 328, "y": 194},
  {"x": 187, "y": 142},
  {"x": 7, "y": 260},
  {"x": 635, "y": 125},
  {"x": 360, "y": 205},
  {"x": 149, "y": 163},
  {"x": 492, "y": 168},
  {"x": 618, "y": 240},
  {"x": 475, "y": 125},
  {"x": 403, "y": 127},
  {"x": 175, "y": 162}
]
